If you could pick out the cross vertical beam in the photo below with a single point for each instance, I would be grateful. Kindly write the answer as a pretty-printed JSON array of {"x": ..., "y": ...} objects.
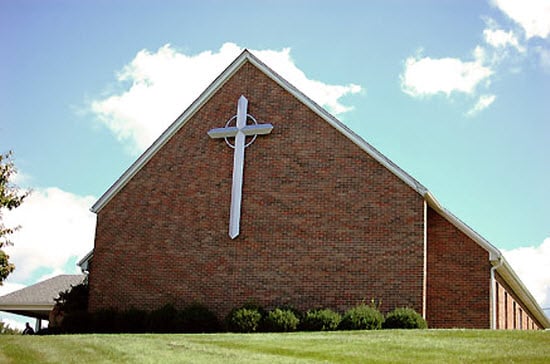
[
  {"x": 239, "y": 132},
  {"x": 238, "y": 170}
]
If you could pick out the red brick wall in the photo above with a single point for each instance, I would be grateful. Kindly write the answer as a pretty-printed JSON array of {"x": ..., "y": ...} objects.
[
  {"x": 458, "y": 281},
  {"x": 509, "y": 308},
  {"x": 502, "y": 308},
  {"x": 323, "y": 224}
]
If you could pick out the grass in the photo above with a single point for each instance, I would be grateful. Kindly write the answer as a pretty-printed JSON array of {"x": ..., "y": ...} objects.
[{"x": 388, "y": 346}]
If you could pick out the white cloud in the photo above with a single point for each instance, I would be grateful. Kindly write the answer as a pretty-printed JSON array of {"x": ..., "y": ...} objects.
[
  {"x": 425, "y": 76},
  {"x": 56, "y": 226},
  {"x": 483, "y": 102},
  {"x": 532, "y": 15},
  {"x": 480, "y": 54},
  {"x": 544, "y": 58},
  {"x": 499, "y": 38},
  {"x": 323, "y": 94},
  {"x": 21, "y": 179},
  {"x": 15, "y": 321},
  {"x": 159, "y": 86},
  {"x": 532, "y": 265}
]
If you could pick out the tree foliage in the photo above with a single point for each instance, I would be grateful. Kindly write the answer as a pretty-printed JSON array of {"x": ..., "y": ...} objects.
[
  {"x": 10, "y": 198},
  {"x": 73, "y": 299},
  {"x": 5, "y": 329}
]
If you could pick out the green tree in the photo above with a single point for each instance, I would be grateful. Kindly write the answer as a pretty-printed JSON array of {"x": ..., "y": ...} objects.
[{"x": 10, "y": 198}]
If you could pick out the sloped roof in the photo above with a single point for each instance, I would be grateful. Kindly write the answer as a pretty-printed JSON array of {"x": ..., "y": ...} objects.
[
  {"x": 495, "y": 255},
  {"x": 38, "y": 300},
  {"x": 242, "y": 59}
]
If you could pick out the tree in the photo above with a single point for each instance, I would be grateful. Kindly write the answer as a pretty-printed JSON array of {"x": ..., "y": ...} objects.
[{"x": 10, "y": 198}]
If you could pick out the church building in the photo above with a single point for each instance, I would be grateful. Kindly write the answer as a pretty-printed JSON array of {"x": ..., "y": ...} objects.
[{"x": 256, "y": 193}]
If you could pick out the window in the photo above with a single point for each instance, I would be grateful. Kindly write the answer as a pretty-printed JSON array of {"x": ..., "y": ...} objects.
[
  {"x": 515, "y": 315},
  {"x": 520, "y": 323},
  {"x": 506, "y": 315}
]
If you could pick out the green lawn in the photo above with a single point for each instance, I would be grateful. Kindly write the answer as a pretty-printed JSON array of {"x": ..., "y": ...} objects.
[{"x": 389, "y": 346}]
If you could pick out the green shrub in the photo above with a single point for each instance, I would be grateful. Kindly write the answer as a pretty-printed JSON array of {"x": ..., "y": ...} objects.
[
  {"x": 162, "y": 320},
  {"x": 321, "y": 320},
  {"x": 76, "y": 322},
  {"x": 103, "y": 321},
  {"x": 362, "y": 317},
  {"x": 131, "y": 321},
  {"x": 281, "y": 320},
  {"x": 197, "y": 318},
  {"x": 244, "y": 319},
  {"x": 404, "y": 318},
  {"x": 70, "y": 310}
]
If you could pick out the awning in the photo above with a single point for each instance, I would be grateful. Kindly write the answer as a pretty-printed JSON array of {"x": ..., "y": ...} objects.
[{"x": 38, "y": 300}]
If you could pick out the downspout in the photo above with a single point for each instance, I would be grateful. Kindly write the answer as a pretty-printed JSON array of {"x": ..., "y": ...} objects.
[
  {"x": 425, "y": 263},
  {"x": 494, "y": 293}
]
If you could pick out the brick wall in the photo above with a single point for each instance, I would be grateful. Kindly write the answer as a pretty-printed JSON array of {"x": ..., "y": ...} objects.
[
  {"x": 323, "y": 224},
  {"x": 458, "y": 281},
  {"x": 511, "y": 313}
]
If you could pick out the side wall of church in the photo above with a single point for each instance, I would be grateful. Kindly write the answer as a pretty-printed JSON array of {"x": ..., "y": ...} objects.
[
  {"x": 458, "y": 284},
  {"x": 323, "y": 224},
  {"x": 511, "y": 312}
]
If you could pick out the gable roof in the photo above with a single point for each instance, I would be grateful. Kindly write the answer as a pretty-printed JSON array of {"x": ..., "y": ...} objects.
[
  {"x": 37, "y": 300},
  {"x": 242, "y": 59},
  {"x": 495, "y": 256}
]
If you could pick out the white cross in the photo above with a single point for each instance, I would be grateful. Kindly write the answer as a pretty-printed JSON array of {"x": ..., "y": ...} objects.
[{"x": 240, "y": 131}]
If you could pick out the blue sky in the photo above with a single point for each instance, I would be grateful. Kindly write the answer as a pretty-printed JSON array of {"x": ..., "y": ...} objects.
[{"x": 454, "y": 92}]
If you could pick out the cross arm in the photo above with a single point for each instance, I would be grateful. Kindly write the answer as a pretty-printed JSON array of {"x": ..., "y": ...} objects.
[
  {"x": 257, "y": 129},
  {"x": 223, "y": 132}
]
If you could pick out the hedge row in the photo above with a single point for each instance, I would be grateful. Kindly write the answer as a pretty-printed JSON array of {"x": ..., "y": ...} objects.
[
  {"x": 196, "y": 318},
  {"x": 361, "y": 317}
]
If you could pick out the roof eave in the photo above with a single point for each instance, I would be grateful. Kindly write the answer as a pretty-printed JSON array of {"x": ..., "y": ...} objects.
[
  {"x": 170, "y": 131},
  {"x": 338, "y": 125},
  {"x": 512, "y": 279},
  {"x": 38, "y": 311},
  {"x": 27, "y": 307},
  {"x": 494, "y": 253}
]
